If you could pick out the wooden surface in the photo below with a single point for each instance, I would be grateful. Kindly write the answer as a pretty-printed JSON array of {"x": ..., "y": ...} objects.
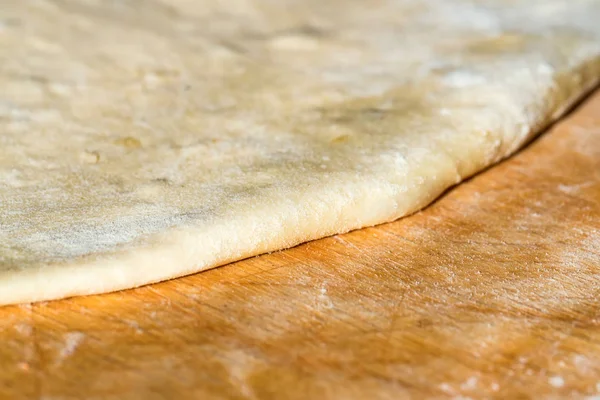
[{"x": 493, "y": 291}]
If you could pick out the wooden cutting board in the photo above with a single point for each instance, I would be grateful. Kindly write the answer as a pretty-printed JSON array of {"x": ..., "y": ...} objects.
[{"x": 493, "y": 291}]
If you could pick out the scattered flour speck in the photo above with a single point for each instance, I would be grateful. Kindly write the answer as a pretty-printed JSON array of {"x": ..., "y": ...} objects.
[
  {"x": 72, "y": 341},
  {"x": 470, "y": 383},
  {"x": 446, "y": 388},
  {"x": 556, "y": 381}
]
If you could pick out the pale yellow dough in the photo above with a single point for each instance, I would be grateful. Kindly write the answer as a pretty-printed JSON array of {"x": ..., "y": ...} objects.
[{"x": 145, "y": 140}]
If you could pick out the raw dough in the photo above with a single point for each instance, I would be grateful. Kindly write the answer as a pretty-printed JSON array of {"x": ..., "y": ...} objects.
[{"x": 141, "y": 141}]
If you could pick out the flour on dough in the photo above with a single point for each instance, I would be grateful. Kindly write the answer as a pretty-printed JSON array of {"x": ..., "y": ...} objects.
[{"x": 141, "y": 141}]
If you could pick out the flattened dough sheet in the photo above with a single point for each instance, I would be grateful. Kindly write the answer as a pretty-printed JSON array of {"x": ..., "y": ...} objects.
[{"x": 142, "y": 141}]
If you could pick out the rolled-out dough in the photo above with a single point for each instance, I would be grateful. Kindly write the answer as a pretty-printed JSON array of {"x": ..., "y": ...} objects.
[{"x": 141, "y": 141}]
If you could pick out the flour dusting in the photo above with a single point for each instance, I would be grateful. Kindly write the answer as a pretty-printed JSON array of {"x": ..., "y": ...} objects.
[{"x": 72, "y": 342}]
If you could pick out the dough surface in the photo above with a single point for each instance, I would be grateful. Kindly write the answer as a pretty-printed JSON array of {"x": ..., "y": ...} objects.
[{"x": 141, "y": 141}]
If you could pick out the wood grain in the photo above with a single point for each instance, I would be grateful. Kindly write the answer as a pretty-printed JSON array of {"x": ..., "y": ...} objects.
[{"x": 491, "y": 292}]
